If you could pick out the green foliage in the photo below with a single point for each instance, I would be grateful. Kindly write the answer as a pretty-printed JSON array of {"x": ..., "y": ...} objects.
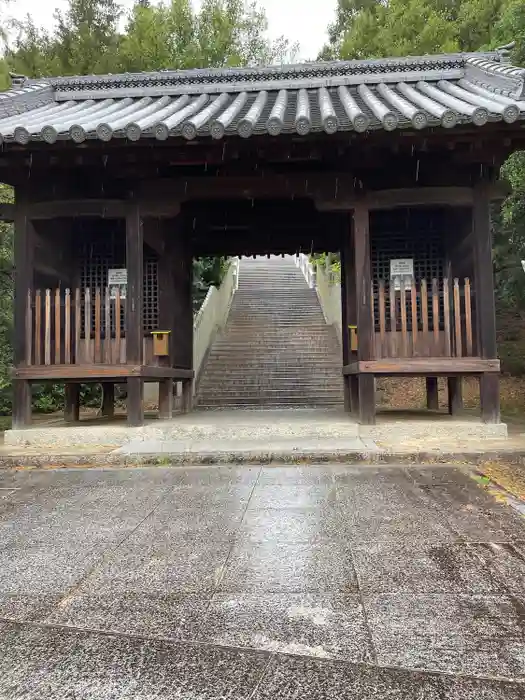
[{"x": 374, "y": 28}]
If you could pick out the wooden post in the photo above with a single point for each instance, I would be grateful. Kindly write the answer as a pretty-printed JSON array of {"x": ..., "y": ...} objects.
[
  {"x": 72, "y": 403},
  {"x": 134, "y": 312},
  {"x": 344, "y": 325},
  {"x": 485, "y": 306},
  {"x": 455, "y": 395},
  {"x": 182, "y": 314},
  {"x": 365, "y": 328},
  {"x": 432, "y": 393},
  {"x": 108, "y": 399},
  {"x": 187, "y": 395},
  {"x": 489, "y": 397},
  {"x": 135, "y": 403},
  {"x": 166, "y": 399},
  {"x": 24, "y": 268}
]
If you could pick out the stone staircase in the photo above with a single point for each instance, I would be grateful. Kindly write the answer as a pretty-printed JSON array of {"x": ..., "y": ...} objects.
[{"x": 276, "y": 350}]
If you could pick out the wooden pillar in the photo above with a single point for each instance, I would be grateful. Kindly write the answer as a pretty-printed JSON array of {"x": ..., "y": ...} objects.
[
  {"x": 166, "y": 399},
  {"x": 72, "y": 402},
  {"x": 345, "y": 342},
  {"x": 135, "y": 403},
  {"x": 134, "y": 312},
  {"x": 187, "y": 395},
  {"x": 365, "y": 328},
  {"x": 183, "y": 309},
  {"x": 21, "y": 404},
  {"x": 485, "y": 305},
  {"x": 108, "y": 399},
  {"x": 455, "y": 395},
  {"x": 489, "y": 398},
  {"x": 24, "y": 271},
  {"x": 432, "y": 393}
]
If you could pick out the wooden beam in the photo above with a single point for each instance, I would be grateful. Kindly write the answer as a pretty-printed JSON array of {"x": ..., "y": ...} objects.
[
  {"x": 99, "y": 372},
  {"x": 431, "y": 366},
  {"x": 101, "y": 208},
  {"x": 411, "y": 197}
]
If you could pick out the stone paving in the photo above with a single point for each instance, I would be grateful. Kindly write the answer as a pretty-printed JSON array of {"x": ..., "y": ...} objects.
[{"x": 277, "y": 583}]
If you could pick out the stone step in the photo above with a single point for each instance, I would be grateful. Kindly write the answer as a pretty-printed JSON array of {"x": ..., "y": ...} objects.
[{"x": 264, "y": 383}]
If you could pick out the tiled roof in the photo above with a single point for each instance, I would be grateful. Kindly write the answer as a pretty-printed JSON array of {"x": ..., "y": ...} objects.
[{"x": 408, "y": 93}]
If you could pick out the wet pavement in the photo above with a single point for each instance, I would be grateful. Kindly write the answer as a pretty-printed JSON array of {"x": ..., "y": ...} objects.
[{"x": 324, "y": 582}]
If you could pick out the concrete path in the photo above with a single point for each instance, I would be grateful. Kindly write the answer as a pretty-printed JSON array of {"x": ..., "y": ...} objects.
[{"x": 259, "y": 583}]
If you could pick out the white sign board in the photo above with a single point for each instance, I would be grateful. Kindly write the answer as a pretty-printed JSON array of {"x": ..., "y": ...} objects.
[
  {"x": 402, "y": 269},
  {"x": 118, "y": 279}
]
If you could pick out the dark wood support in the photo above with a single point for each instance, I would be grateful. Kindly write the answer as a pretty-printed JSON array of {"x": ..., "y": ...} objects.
[
  {"x": 367, "y": 399},
  {"x": 24, "y": 278},
  {"x": 485, "y": 305},
  {"x": 72, "y": 402},
  {"x": 135, "y": 403},
  {"x": 182, "y": 310},
  {"x": 21, "y": 404},
  {"x": 166, "y": 399},
  {"x": 361, "y": 302},
  {"x": 432, "y": 393},
  {"x": 365, "y": 330},
  {"x": 187, "y": 396},
  {"x": 344, "y": 325},
  {"x": 489, "y": 398},
  {"x": 108, "y": 399},
  {"x": 134, "y": 311},
  {"x": 484, "y": 274},
  {"x": 455, "y": 395},
  {"x": 354, "y": 394}
]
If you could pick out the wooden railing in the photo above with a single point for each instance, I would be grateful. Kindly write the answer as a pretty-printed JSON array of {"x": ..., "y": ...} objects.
[
  {"x": 66, "y": 326},
  {"x": 423, "y": 320}
]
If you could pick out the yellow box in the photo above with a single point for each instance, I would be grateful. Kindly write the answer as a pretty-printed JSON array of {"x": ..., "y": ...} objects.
[
  {"x": 161, "y": 343},
  {"x": 353, "y": 338}
]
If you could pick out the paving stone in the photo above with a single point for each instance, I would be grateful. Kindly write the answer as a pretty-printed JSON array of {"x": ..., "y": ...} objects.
[
  {"x": 170, "y": 616},
  {"x": 167, "y": 525},
  {"x": 48, "y": 663},
  {"x": 173, "y": 566},
  {"x": 472, "y": 513},
  {"x": 232, "y": 498},
  {"x": 439, "y": 475},
  {"x": 506, "y": 563},
  {"x": 219, "y": 475},
  {"x": 293, "y": 496},
  {"x": 293, "y": 525},
  {"x": 45, "y": 569},
  {"x": 396, "y": 567},
  {"x": 20, "y": 607},
  {"x": 294, "y": 566},
  {"x": 287, "y": 476},
  {"x": 472, "y": 634},
  {"x": 386, "y": 505},
  {"x": 319, "y": 624},
  {"x": 289, "y": 678}
]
